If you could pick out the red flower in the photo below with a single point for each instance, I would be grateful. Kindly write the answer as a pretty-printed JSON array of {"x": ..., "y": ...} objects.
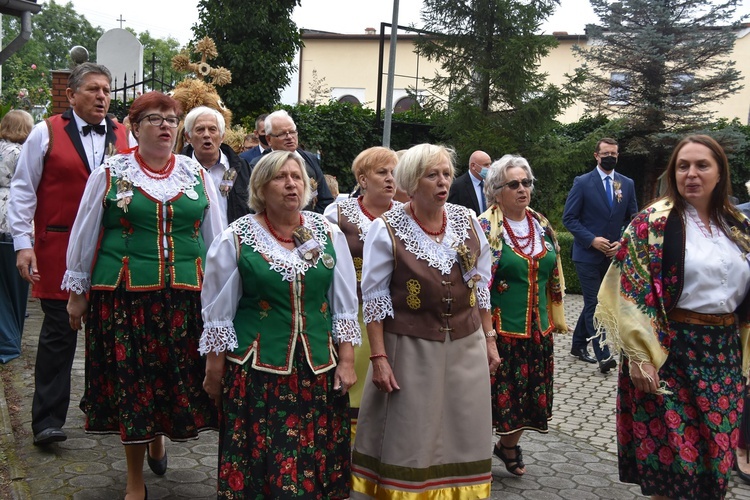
[
  {"x": 672, "y": 419},
  {"x": 688, "y": 453},
  {"x": 692, "y": 435},
  {"x": 675, "y": 440},
  {"x": 722, "y": 440},
  {"x": 734, "y": 438},
  {"x": 120, "y": 352},
  {"x": 649, "y": 445},
  {"x": 503, "y": 400},
  {"x": 703, "y": 403},
  {"x": 714, "y": 418},
  {"x": 691, "y": 412},
  {"x": 542, "y": 400},
  {"x": 286, "y": 466},
  {"x": 104, "y": 312},
  {"x": 716, "y": 387},
  {"x": 650, "y": 407},
  {"x": 308, "y": 485},
  {"x": 723, "y": 402},
  {"x": 641, "y": 230},
  {"x": 666, "y": 455},
  {"x": 621, "y": 253},
  {"x": 684, "y": 395},
  {"x": 656, "y": 428},
  {"x": 178, "y": 319},
  {"x": 639, "y": 430},
  {"x": 292, "y": 421},
  {"x": 236, "y": 480},
  {"x": 524, "y": 370}
]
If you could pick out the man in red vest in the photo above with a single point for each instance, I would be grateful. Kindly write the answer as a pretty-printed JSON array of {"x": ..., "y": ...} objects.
[{"x": 52, "y": 170}]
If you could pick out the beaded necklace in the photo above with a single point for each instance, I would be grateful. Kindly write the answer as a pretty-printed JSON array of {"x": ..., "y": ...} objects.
[
  {"x": 155, "y": 174},
  {"x": 431, "y": 233},
  {"x": 529, "y": 241},
  {"x": 277, "y": 235},
  {"x": 367, "y": 212}
]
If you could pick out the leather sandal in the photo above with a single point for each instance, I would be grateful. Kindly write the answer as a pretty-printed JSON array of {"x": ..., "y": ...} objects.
[{"x": 511, "y": 464}]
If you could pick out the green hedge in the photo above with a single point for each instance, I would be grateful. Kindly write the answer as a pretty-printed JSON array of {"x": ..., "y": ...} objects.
[{"x": 572, "y": 285}]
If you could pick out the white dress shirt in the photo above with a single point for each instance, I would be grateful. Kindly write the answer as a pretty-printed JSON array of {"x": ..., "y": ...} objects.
[{"x": 217, "y": 175}]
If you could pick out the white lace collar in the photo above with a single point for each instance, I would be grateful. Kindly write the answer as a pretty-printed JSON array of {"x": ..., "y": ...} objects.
[
  {"x": 351, "y": 210},
  {"x": 183, "y": 178},
  {"x": 286, "y": 262},
  {"x": 441, "y": 255}
]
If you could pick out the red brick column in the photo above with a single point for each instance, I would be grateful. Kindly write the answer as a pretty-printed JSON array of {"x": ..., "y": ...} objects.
[{"x": 59, "y": 84}]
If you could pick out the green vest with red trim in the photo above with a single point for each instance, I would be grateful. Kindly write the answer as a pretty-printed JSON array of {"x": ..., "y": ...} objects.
[
  {"x": 132, "y": 244},
  {"x": 271, "y": 319}
]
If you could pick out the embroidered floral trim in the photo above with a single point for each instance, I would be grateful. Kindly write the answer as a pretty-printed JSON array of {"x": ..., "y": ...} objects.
[
  {"x": 377, "y": 305},
  {"x": 346, "y": 328},
  {"x": 350, "y": 209},
  {"x": 441, "y": 256},
  {"x": 79, "y": 283},
  {"x": 286, "y": 262},
  {"x": 183, "y": 178},
  {"x": 483, "y": 297},
  {"x": 218, "y": 337}
]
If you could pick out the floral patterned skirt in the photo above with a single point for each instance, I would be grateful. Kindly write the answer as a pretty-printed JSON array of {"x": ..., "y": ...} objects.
[
  {"x": 522, "y": 385},
  {"x": 681, "y": 445},
  {"x": 283, "y": 436},
  {"x": 144, "y": 376}
]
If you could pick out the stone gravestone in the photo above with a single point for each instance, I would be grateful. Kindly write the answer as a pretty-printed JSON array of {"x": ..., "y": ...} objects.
[{"x": 121, "y": 52}]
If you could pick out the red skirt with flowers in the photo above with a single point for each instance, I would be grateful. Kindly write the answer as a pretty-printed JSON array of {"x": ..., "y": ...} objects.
[
  {"x": 522, "y": 386},
  {"x": 144, "y": 376},
  {"x": 283, "y": 436},
  {"x": 680, "y": 445}
]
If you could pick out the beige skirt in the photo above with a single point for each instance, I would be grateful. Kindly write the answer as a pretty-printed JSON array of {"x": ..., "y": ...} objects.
[{"x": 431, "y": 438}]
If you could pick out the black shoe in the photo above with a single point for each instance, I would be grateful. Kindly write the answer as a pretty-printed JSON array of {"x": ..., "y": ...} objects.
[
  {"x": 158, "y": 467},
  {"x": 583, "y": 355},
  {"x": 606, "y": 366},
  {"x": 48, "y": 436}
]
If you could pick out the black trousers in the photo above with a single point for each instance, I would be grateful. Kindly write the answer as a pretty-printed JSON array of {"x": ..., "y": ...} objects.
[
  {"x": 590, "y": 276},
  {"x": 54, "y": 361}
]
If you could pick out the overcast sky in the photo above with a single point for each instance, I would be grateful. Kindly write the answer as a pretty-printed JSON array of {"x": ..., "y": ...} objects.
[{"x": 163, "y": 18}]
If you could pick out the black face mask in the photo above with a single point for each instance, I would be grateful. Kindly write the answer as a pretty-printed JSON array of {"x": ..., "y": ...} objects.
[
  {"x": 608, "y": 163},
  {"x": 262, "y": 139}
]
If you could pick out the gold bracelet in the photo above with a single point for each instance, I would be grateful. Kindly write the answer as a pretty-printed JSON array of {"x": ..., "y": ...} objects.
[{"x": 490, "y": 334}]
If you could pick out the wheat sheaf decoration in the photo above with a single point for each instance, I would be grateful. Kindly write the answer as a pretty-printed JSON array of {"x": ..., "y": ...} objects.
[{"x": 219, "y": 76}]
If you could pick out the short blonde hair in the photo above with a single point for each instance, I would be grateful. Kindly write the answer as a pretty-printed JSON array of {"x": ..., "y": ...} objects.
[
  {"x": 16, "y": 126},
  {"x": 266, "y": 169},
  {"x": 371, "y": 158},
  {"x": 413, "y": 164},
  {"x": 333, "y": 185}
]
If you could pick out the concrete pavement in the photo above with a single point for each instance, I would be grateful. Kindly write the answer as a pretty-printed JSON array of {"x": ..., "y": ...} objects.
[{"x": 575, "y": 460}]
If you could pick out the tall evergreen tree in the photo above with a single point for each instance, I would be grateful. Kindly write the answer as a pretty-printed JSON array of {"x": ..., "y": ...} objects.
[
  {"x": 490, "y": 52},
  {"x": 657, "y": 63},
  {"x": 257, "y": 42}
]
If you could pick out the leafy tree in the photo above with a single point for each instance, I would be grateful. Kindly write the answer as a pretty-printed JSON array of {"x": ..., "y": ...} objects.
[
  {"x": 257, "y": 42},
  {"x": 657, "y": 63},
  {"x": 490, "y": 53}
]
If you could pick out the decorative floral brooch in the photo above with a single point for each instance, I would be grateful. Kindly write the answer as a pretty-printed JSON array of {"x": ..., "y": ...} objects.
[
  {"x": 618, "y": 191},
  {"x": 124, "y": 193},
  {"x": 467, "y": 262}
]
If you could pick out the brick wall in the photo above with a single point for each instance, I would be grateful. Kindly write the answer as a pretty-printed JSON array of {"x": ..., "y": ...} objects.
[{"x": 59, "y": 84}]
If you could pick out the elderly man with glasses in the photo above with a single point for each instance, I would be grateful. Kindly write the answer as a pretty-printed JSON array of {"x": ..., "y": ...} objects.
[
  {"x": 600, "y": 205},
  {"x": 282, "y": 135}
]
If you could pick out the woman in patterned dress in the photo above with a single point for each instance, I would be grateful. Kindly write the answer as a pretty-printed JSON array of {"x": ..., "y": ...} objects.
[
  {"x": 526, "y": 295},
  {"x": 138, "y": 244},
  {"x": 280, "y": 311},
  {"x": 425, "y": 414},
  {"x": 675, "y": 302},
  {"x": 373, "y": 169}
]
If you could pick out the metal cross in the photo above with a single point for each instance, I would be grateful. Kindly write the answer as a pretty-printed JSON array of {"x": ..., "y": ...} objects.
[{"x": 121, "y": 20}]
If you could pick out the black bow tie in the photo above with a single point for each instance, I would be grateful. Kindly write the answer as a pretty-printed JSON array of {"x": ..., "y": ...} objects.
[{"x": 99, "y": 129}]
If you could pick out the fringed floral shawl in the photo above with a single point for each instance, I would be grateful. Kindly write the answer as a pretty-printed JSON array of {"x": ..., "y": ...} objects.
[
  {"x": 637, "y": 292},
  {"x": 492, "y": 223}
]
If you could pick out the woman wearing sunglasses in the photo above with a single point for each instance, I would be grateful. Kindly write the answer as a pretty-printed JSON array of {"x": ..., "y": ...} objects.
[{"x": 526, "y": 300}]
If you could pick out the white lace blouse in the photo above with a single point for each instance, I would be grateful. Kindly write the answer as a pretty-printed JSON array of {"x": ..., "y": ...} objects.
[
  {"x": 378, "y": 260},
  {"x": 222, "y": 286},
  {"x": 85, "y": 232},
  {"x": 351, "y": 210}
]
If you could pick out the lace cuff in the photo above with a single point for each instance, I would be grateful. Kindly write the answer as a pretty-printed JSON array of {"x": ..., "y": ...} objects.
[
  {"x": 218, "y": 337},
  {"x": 483, "y": 297},
  {"x": 346, "y": 328},
  {"x": 79, "y": 283},
  {"x": 377, "y": 305}
]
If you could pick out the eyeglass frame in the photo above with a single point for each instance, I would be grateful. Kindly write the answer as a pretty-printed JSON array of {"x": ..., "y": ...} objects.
[
  {"x": 284, "y": 135},
  {"x": 162, "y": 120},
  {"x": 527, "y": 183},
  {"x": 607, "y": 154}
]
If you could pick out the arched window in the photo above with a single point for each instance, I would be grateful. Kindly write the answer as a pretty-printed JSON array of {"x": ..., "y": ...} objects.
[
  {"x": 405, "y": 104},
  {"x": 350, "y": 99}
]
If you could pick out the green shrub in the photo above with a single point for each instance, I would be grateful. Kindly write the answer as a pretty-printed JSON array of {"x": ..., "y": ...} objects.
[{"x": 572, "y": 285}]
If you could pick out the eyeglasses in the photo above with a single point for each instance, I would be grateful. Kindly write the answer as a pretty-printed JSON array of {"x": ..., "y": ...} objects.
[
  {"x": 606, "y": 154},
  {"x": 284, "y": 135},
  {"x": 514, "y": 184},
  {"x": 157, "y": 120}
]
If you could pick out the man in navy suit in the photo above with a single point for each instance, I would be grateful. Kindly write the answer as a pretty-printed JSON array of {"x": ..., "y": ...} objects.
[
  {"x": 260, "y": 133},
  {"x": 599, "y": 206},
  {"x": 467, "y": 189}
]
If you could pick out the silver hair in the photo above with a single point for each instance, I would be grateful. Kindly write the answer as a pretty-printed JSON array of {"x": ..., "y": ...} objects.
[
  {"x": 266, "y": 170},
  {"x": 200, "y": 111},
  {"x": 417, "y": 159},
  {"x": 276, "y": 114},
  {"x": 75, "y": 80},
  {"x": 496, "y": 175}
]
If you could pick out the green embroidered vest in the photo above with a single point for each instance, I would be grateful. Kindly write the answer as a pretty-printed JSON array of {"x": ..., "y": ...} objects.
[
  {"x": 520, "y": 284},
  {"x": 131, "y": 244},
  {"x": 274, "y": 314}
]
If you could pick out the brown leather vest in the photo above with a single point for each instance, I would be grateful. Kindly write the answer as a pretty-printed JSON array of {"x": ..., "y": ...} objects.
[{"x": 428, "y": 304}]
